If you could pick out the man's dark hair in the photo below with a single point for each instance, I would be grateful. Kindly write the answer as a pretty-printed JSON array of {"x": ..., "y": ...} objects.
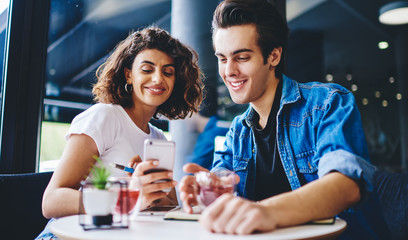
[{"x": 272, "y": 29}]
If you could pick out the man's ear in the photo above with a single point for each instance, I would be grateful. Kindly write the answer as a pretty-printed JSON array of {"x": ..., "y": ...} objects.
[
  {"x": 128, "y": 74},
  {"x": 275, "y": 57}
]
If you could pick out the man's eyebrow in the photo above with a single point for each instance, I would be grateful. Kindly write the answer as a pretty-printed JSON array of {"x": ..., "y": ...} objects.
[
  {"x": 234, "y": 52},
  {"x": 219, "y": 54},
  {"x": 242, "y": 50}
]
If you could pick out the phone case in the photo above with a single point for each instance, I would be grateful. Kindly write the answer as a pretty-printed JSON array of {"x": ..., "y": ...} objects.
[{"x": 162, "y": 150}]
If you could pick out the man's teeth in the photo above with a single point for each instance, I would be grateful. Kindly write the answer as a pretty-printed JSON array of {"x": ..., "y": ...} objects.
[{"x": 236, "y": 84}]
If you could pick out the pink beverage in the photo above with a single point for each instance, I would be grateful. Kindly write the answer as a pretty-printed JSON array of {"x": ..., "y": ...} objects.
[
  {"x": 126, "y": 201},
  {"x": 208, "y": 194}
]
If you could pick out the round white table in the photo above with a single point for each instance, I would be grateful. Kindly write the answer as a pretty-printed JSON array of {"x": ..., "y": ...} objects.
[{"x": 154, "y": 227}]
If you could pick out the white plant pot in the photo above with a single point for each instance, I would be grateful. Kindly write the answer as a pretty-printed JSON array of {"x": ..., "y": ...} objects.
[{"x": 99, "y": 202}]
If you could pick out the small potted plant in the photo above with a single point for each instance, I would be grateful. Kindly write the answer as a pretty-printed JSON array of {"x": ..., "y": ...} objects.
[
  {"x": 98, "y": 200},
  {"x": 99, "y": 174}
]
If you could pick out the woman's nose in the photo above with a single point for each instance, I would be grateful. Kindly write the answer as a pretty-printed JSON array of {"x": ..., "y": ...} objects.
[{"x": 157, "y": 78}]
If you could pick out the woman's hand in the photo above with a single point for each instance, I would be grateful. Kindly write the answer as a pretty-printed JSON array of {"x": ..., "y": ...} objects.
[{"x": 150, "y": 189}]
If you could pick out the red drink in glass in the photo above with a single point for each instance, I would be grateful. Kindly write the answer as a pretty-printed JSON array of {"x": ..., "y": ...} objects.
[
  {"x": 126, "y": 201},
  {"x": 211, "y": 185},
  {"x": 208, "y": 194}
]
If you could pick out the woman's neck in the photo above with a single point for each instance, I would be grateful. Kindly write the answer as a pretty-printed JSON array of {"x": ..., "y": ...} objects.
[{"x": 140, "y": 117}]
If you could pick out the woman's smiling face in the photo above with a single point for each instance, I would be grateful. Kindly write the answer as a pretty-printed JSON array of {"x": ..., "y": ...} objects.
[{"x": 152, "y": 76}]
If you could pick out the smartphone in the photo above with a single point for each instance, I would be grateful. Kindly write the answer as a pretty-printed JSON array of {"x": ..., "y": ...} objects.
[
  {"x": 162, "y": 150},
  {"x": 158, "y": 210}
]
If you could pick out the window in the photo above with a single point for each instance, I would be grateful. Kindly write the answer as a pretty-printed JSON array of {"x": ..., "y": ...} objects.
[
  {"x": 81, "y": 34},
  {"x": 3, "y": 30}
]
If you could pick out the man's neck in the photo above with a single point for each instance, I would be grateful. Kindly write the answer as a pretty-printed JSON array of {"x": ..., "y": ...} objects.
[{"x": 263, "y": 105}]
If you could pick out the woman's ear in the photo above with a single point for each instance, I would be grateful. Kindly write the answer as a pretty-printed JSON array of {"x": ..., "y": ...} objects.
[
  {"x": 274, "y": 57},
  {"x": 128, "y": 75}
]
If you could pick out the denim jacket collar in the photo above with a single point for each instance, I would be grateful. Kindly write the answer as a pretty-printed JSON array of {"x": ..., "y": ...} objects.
[
  {"x": 290, "y": 91},
  {"x": 290, "y": 94}
]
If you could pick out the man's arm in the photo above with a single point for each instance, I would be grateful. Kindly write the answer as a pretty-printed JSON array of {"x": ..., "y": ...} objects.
[{"x": 319, "y": 199}]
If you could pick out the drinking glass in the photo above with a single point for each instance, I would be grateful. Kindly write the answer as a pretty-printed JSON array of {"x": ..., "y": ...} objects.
[
  {"x": 211, "y": 185},
  {"x": 128, "y": 194}
]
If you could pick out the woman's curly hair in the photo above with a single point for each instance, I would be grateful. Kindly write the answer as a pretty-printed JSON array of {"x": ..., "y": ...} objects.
[{"x": 187, "y": 92}]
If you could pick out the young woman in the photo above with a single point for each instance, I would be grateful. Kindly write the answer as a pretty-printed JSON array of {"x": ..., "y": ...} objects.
[{"x": 148, "y": 74}]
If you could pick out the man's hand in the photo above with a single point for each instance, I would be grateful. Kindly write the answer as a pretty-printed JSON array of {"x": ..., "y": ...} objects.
[
  {"x": 188, "y": 186},
  {"x": 235, "y": 215}
]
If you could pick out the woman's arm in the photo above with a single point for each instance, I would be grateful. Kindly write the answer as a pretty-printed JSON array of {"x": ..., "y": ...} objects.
[{"x": 61, "y": 197}]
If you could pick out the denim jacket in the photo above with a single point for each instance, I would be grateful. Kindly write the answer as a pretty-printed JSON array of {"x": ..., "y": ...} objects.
[{"x": 319, "y": 130}]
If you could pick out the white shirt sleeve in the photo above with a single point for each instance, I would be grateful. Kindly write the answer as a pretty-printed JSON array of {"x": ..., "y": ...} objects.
[{"x": 99, "y": 123}]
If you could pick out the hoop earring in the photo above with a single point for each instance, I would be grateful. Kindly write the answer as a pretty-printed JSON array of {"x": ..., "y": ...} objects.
[{"x": 128, "y": 88}]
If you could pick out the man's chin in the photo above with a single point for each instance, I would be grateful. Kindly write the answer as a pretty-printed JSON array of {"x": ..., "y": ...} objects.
[{"x": 237, "y": 100}]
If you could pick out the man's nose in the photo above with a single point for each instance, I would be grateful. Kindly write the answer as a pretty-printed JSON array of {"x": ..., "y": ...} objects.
[{"x": 231, "y": 69}]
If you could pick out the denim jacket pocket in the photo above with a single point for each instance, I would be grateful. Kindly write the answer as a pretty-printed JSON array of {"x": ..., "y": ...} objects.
[
  {"x": 305, "y": 164},
  {"x": 240, "y": 164}
]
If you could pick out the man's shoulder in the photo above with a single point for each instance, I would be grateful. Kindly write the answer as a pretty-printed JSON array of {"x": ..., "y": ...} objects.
[
  {"x": 322, "y": 92},
  {"x": 293, "y": 91},
  {"x": 322, "y": 87}
]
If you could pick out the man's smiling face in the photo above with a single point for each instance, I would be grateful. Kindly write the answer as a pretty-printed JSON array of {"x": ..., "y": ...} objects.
[{"x": 240, "y": 63}]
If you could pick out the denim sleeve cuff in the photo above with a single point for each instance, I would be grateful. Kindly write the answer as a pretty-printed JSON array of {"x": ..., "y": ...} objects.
[
  {"x": 218, "y": 168},
  {"x": 351, "y": 166}
]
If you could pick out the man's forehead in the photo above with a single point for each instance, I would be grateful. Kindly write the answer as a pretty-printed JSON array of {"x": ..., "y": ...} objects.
[{"x": 235, "y": 39}]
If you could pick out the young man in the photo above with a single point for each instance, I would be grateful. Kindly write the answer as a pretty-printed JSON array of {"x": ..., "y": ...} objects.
[{"x": 298, "y": 150}]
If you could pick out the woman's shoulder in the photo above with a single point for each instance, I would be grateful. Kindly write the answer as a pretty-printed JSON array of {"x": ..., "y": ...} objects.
[
  {"x": 100, "y": 110},
  {"x": 98, "y": 114},
  {"x": 104, "y": 108}
]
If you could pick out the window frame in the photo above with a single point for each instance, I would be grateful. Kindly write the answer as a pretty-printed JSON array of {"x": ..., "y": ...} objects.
[{"x": 23, "y": 85}]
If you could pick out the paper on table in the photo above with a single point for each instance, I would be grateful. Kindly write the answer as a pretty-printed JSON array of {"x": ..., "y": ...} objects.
[
  {"x": 324, "y": 221},
  {"x": 179, "y": 214}
]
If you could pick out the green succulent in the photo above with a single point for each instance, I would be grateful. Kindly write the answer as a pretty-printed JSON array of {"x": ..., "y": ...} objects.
[{"x": 99, "y": 174}]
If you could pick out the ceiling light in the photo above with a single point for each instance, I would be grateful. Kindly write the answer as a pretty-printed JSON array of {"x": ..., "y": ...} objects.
[
  {"x": 391, "y": 79},
  {"x": 394, "y": 13},
  {"x": 383, "y": 45},
  {"x": 365, "y": 101},
  {"x": 384, "y": 103},
  {"x": 329, "y": 77},
  {"x": 399, "y": 96}
]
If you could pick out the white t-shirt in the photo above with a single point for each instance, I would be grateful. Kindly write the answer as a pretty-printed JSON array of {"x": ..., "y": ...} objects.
[{"x": 117, "y": 137}]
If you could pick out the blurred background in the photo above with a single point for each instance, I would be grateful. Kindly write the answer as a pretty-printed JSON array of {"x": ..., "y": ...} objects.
[{"x": 339, "y": 41}]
